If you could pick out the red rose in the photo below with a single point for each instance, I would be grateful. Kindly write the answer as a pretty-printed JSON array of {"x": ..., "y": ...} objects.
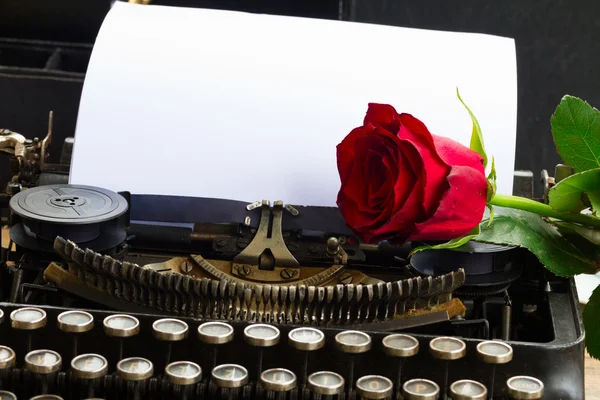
[{"x": 399, "y": 182}]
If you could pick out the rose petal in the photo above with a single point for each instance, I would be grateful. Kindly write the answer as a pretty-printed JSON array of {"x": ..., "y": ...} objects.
[
  {"x": 401, "y": 224},
  {"x": 454, "y": 153},
  {"x": 461, "y": 207},
  {"x": 383, "y": 115},
  {"x": 345, "y": 152},
  {"x": 416, "y": 133}
]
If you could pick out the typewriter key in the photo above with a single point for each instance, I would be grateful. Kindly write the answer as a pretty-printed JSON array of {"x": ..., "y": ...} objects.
[
  {"x": 75, "y": 322},
  {"x": 43, "y": 362},
  {"x": 135, "y": 369},
  {"x": 524, "y": 388},
  {"x": 494, "y": 352},
  {"x": 402, "y": 347},
  {"x": 46, "y": 397},
  {"x": 183, "y": 373},
  {"x": 261, "y": 336},
  {"x": 374, "y": 387},
  {"x": 307, "y": 340},
  {"x": 89, "y": 366},
  {"x": 278, "y": 380},
  {"x": 5, "y": 395},
  {"x": 352, "y": 342},
  {"x": 29, "y": 319},
  {"x": 7, "y": 357},
  {"x": 326, "y": 383},
  {"x": 447, "y": 349},
  {"x": 420, "y": 389},
  {"x": 230, "y": 376},
  {"x": 215, "y": 333},
  {"x": 468, "y": 390},
  {"x": 121, "y": 326},
  {"x": 169, "y": 330},
  {"x": 1, "y": 320}
]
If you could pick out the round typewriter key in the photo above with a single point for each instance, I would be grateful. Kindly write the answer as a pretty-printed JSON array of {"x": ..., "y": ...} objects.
[
  {"x": 169, "y": 329},
  {"x": 183, "y": 373},
  {"x": 47, "y": 397},
  {"x": 43, "y": 361},
  {"x": 135, "y": 369},
  {"x": 261, "y": 335},
  {"x": 420, "y": 389},
  {"x": 5, "y": 395},
  {"x": 121, "y": 325},
  {"x": 215, "y": 333},
  {"x": 278, "y": 380},
  {"x": 326, "y": 383},
  {"x": 89, "y": 366},
  {"x": 447, "y": 348},
  {"x": 467, "y": 390},
  {"x": 7, "y": 357},
  {"x": 399, "y": 345},
  {"x": 353, "y": 342},
  {"x": 494, "y": 352},
  {"x": 374, "y": 387},
  {"x": 525, "y": 388},
  {"x": 28, "y": 318},
  {"x": 75, "y": 321},
  {"x": 1, "y": 317},
  {"x": 306, "y": 339},
  {"x": 230, "y": 376}
]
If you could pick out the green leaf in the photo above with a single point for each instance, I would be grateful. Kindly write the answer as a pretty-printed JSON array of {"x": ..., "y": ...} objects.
[
  {"x": 451, "y": 244},
  {"x": 491, "y": 180},
  {"x": 591, "y": 322},
  {"x": 477, "y": 135},
  {"x": 525, "y": 229},
  {"x": 491, "y": 217},
  {"x": 576, "y": 131},
  {"x": 592, "y": 235},
  {"x": 567, "y": 195}
]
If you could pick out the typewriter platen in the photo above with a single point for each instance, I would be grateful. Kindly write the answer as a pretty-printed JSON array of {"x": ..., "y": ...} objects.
[{"x": 118, "y": 295}]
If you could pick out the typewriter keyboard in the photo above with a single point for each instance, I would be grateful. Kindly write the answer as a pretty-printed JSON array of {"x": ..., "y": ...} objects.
[{"x": 52, "y": 353}]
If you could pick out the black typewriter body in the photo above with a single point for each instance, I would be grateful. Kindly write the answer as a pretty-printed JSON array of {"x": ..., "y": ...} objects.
[{"x": 517, "y": 302}]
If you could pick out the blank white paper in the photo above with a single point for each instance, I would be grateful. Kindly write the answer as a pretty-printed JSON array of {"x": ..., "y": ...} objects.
[{"x": 246, "y": 107}]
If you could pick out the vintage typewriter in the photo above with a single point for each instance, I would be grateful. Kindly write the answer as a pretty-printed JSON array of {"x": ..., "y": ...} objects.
[{"x": 121, "y": 295}]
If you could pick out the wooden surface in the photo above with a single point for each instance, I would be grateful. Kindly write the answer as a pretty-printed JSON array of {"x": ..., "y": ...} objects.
[
  {"x": 592, "y": 367},
  {"x": 592, "y": 379}
]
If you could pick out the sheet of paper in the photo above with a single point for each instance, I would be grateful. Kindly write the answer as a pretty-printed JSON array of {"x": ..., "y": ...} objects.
[{"x": 241, "y": 106}]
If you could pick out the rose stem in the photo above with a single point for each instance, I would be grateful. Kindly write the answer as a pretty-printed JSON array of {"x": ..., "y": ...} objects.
[{"x": 545, "y": 210}]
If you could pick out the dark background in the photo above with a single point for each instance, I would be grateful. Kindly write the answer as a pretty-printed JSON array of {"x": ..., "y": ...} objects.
[{"x": 558, "y": 53}]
